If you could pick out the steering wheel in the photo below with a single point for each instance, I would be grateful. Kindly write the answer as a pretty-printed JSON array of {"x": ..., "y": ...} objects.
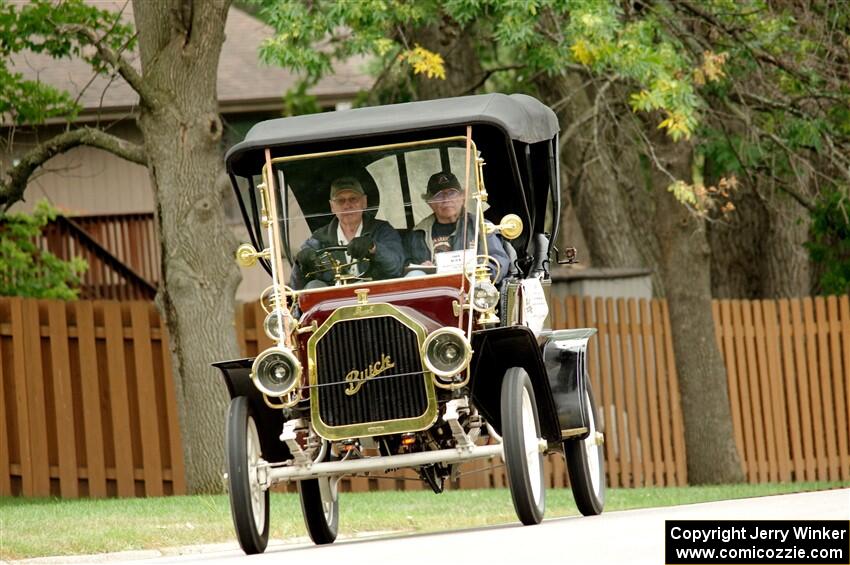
[{"x": 326, "y": 262}]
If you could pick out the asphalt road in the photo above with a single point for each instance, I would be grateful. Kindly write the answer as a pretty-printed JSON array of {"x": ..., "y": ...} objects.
[{"x": 634, "y": 536}]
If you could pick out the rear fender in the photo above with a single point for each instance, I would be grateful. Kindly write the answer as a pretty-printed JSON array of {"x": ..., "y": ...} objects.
[
  {"x": 494, "y": 352},
  {"x": 237, "y": 377},
  {"x": 565, "y": 357}
]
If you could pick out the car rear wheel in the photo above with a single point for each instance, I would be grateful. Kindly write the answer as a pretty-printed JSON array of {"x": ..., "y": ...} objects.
[
  {"x": 521, "y": 443},
  {"x": 249, "y": 501},
  {"x": 586, "y": 465},
  {"x": 320, "y": 507}
]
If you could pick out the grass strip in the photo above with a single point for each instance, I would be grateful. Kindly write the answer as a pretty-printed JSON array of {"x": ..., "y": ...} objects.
[{"x": 41, "y": 527}]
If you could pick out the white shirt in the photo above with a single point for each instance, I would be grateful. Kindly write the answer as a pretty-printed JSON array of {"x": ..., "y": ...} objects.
[{"x": 343, "y": 241}]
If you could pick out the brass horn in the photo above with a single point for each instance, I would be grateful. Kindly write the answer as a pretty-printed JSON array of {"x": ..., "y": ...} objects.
[
  {"x": 510, "y": 227},
  {"x": 246, "y": 255}
]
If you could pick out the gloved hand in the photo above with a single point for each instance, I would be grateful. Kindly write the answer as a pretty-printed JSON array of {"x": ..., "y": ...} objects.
[
  {"x": 306, "y": 260},
  {"x": 361, "y": 247}
]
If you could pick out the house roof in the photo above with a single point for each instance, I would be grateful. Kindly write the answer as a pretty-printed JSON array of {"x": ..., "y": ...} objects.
[{"x": 244, "y": 83}]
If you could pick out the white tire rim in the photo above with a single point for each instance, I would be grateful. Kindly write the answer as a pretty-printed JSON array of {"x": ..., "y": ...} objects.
[
  {"x": 592, "y": 451},
  {"x": 258, "y": 499},
  {"x": 329, "y": 495},
  {"x": 531, "y": 444}
]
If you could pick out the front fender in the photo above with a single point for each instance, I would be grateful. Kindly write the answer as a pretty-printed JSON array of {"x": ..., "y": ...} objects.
[
  {"x": 495, "y": 351},
  {"x": 237, "y": 377}
]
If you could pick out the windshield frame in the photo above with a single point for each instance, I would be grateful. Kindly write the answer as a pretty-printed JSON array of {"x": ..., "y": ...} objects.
[{"x": 474, "y": 193}]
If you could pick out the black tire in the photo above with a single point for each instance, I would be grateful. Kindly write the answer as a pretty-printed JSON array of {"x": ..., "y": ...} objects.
[
  {"x": 520, "y": 439},
  {"x": 249, "y": 504},
  {"x": 320, "y": 515},
  {"x": 586, "y": 465}
]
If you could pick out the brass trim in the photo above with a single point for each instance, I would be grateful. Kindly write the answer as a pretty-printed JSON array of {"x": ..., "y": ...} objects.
[
  {"x": 423, "y": 350},
  {"x": 357, "y": 378},
  {"x": 510, "y": 227},
  {"x": 275, "y": 247},
  {"x": 334, "y": 433},
  {"x": 311, "y": 328},
  {"x": 246, "y": 255},
  {"x": 281, "y": 351},
  {"x": 357, "y": 150},
  {"x": 362, "y": 295},
  {"x": 294, "y": 398}
]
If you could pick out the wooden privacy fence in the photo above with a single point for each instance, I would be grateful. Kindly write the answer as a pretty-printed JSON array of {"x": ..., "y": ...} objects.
[
  {"x": 788, "y": 368},
  {"x": 633, "y": 375},
  {"x": 88, "y": 402}
]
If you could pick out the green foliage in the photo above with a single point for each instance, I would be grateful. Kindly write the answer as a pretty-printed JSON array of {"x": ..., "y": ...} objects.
[
  {"x": 51, "y": 28},
  {"x": 297, "y": 101},
  {"x": 729, "y": 153},
  {"x": 830, "y": 242},
  {"x": 776, "y": 69},
  {"x": 301, "y": 27},
  {"x": 27, "y": 270},
  {"x": 547, "y": 36}
]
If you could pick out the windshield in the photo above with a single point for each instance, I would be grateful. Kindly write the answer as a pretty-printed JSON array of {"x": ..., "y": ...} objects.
[{"x": 382, "y": 213}]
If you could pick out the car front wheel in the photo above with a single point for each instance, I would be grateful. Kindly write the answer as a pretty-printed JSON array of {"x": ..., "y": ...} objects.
[
  {"x": 521, "y": 443},
  {"x": 249, "y": 501}
]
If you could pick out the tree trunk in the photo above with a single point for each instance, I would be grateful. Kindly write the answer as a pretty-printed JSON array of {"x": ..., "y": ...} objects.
[
  {"x": 180, "y": 43},
  {"x": 601, "y": 176},
  {"x": 757, "y": 251},
  {"x": 786, "y": 261},
  {"x": 737, "y": 242},
  {"x": 628, "y": 224},
  {"x": 463, "y": 67},
  {"x": 685, "y": 256}
]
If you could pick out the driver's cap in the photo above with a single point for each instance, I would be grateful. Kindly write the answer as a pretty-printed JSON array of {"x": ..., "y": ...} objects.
[{"x": 346, "y": 183}]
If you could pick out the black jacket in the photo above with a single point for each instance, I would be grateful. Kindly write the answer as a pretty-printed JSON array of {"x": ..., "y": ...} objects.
[
  {"x": 386, "y": 263},
  {"x": 420, "y": 246}
]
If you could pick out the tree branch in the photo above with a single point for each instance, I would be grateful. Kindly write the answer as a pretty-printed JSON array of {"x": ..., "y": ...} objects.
[
  {"x": 784, "y": 186},
  {"x": 15, "y": 182},
  {"x": 757, "y": 52},
  {"x": 127, "y": 71},
  {"x": 372, "y": 96},
  {"x": 488, "y": 73},
  {"x": 590, "y": 114}
]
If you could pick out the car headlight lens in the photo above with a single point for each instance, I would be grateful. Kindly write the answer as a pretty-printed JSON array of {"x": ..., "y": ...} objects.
[
  {"x": 485, "y": 296},
  {"x": 272, "y": 323},
  {"x": 276, "y": 372},
  {"x": 446, "y": 352}
]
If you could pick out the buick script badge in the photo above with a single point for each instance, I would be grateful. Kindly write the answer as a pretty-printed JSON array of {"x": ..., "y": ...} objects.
[{"x": 355, "y": 378}]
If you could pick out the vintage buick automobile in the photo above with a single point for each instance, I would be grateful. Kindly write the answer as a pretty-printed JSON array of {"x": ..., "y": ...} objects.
[{"x": 441, "y": 363}]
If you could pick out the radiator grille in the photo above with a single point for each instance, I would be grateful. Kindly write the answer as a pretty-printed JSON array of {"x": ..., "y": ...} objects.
[{"x": 396, "y": 393}]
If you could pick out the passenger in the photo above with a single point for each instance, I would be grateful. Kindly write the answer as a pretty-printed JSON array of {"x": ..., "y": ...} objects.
[
  {"x": 363, "y": 236},
  {"x": 442, "y": 230}
]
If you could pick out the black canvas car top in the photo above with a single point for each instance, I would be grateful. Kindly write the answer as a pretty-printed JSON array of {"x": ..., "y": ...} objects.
[{"x": 520, "y": 117}]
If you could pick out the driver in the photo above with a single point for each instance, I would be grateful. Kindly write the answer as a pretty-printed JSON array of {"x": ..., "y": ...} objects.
[
  {"x": 363, "y": 237},
  {"x": 443, "y": 230}
]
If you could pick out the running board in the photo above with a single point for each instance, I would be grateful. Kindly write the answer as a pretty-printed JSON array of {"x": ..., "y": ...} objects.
[{"x": 278, "y": 474}]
